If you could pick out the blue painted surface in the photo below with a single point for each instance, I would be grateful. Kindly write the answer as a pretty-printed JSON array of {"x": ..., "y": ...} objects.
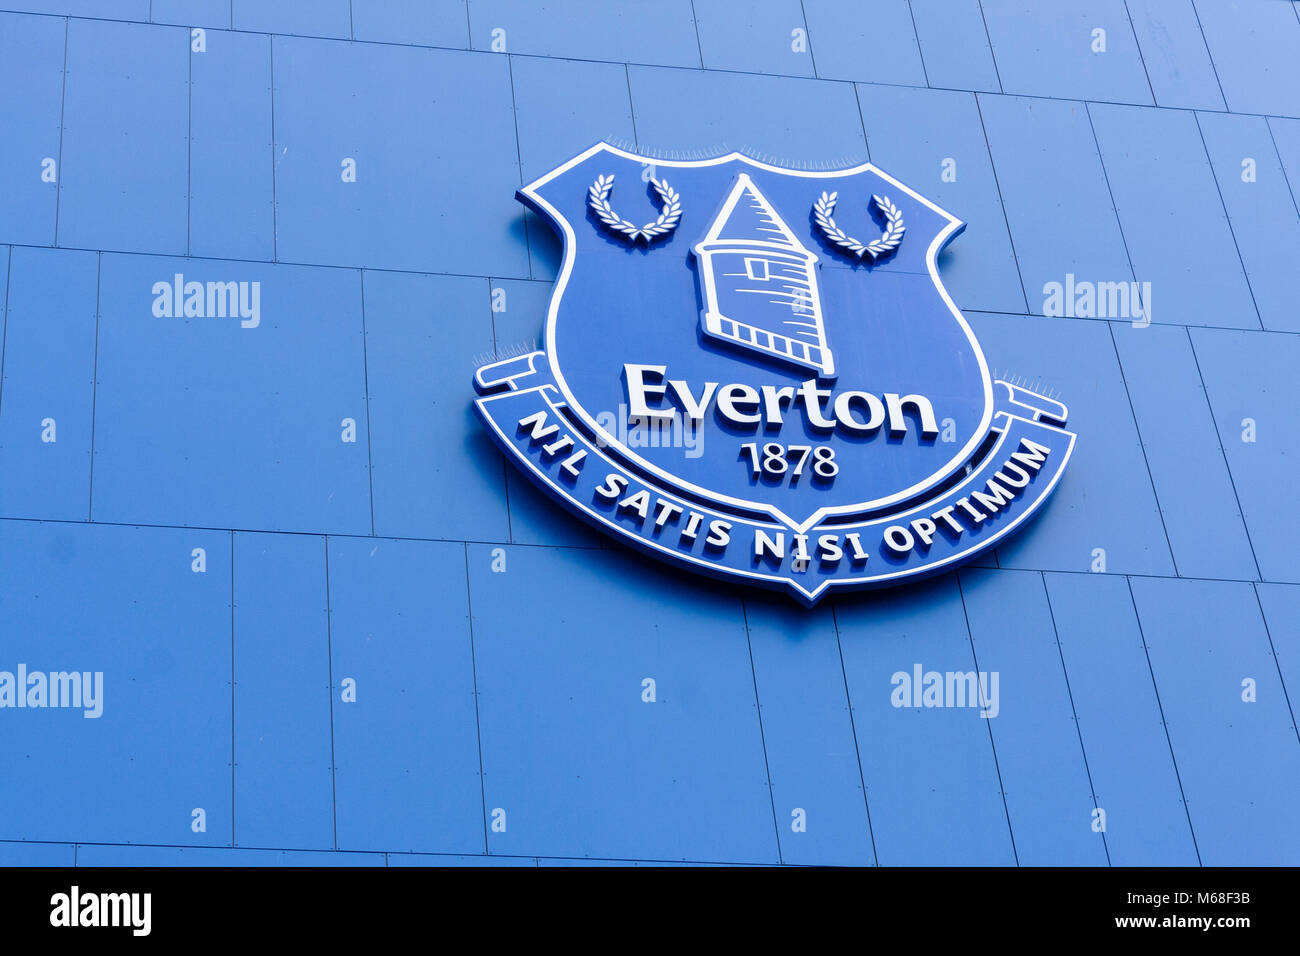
[
  {"x": 1252, "y": 387},
  {"x": 1187, "y": 465},
  {"x": 979, "y": 267},
  {"x": 1254, "y": 190},
  {"x": 47, "y": 387},
  {"x": 573, "y": 756},
  {"x": 1058, "y": 232},
  {"x": 1106, "y": 499},
  {"x": 31, "y": 71},
  {"x": 1055, "y": 49},
  {"x": 1286, "y": 137},
  {"x": 159, "y": 633},
  {"x": 435, "y": 473},
  {"x": 399, "y": 631},
  {"x": 931, "y": 773},
  {"x": 193, "y": 13},
  {"x": 1040, "y": 761},
  {"x": 283, "y": 763},
  {"x": 878, "y": 49},
  {"x": 713, "y": 112},
  {"x": 208, "y": 14},
  {"x": 954, "y": 45},
  {"x": 92, "y": 855},
  {"x": 1175, "y": 227},
  {"x": 325, "y": 18},
  {"x": 125, "y": 155},
  {"x": 232, "y": 179},
  {"x": 1130, "y": 762},
  {"x": 765, "y": 40},
  {"x": 1174, "y": 53},
  {"x": 163, "y": 408},
  {"x": 425, "y": 859},
  {"x": 1281, "y": 606},
  {"x": 808, "y": 734},
  {"x": 561, "y": 108},
  {"x": 1237, "y": 743},
  {"x": 516, "y": 327},
  {"x": 411, "y": 21},
  {"x": 521, "y": 689},
  {"x": 109, "y": 9},
  {"x": 400, "y": 115},
  {"x": 15, "y": 853},
  {"x": 1253, "y": 43},
  {"x": 622, "y": 31}
]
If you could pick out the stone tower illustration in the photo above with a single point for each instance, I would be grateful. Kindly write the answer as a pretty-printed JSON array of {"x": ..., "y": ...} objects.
[{"x": 759, "y": 283}]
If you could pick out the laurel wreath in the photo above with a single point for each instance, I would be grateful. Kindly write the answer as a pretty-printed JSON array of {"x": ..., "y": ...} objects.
[
  {"x": 669, "y": 213},
  {"x": 890, "y": 238}
]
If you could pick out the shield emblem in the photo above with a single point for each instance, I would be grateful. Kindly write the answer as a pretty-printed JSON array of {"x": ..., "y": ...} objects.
[
  {"x": 773, "y": 346},
  {"x": 746, "y": 264}
]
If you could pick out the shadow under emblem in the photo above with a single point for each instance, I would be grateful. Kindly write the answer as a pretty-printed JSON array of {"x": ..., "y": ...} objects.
[{"x": 759, "y": 283}]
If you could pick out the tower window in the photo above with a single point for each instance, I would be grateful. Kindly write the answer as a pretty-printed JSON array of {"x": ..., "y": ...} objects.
[{"x": 756, "y": 269}]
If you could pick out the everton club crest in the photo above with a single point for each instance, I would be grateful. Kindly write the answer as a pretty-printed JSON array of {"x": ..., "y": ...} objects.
[{"x": 756, "y": 373}]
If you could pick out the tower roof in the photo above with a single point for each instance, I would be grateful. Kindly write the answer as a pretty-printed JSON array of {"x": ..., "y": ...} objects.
[{"x": 748, "y": 217}]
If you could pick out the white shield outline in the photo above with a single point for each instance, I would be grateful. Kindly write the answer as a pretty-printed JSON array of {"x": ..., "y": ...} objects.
[{"x": 532, "y": 197}]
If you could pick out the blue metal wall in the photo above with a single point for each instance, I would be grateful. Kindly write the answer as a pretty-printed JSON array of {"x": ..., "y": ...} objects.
[{"x": 496, "y": 646}]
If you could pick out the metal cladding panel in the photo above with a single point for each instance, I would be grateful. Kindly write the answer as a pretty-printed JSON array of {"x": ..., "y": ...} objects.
[
  {"x": 931, "y": 772},
  {"x": 416, "y": 22},
  {"x": 703, "y": 111},
  {"x": 207, "y": 14},
  {"x": 1253, "y": 390},
  {"x": 954, "y": 45},
  {"x": 47, "y": 384},
  {"x": 1054, "y": 49},
  {"x": 283, "y": 748},
  {"x": 315, "y": 617},
  {"x": 934, "y": 140},
  {"x": 559, "y": 103},
  {"x": 763, "y": 41},
  {"x": 404, "y": 720},
  {"x": 1041, "y": 763},
  {"x": 1253, "y": 44},
  {"x": 623, "y": 725},
  {"x": 14, "y": 853},
  {"x": 31, "y": 73},
  {"x": 808, "y": 734},
  {"x": 1174, "y": 53},
  {"x": 146, "y": 756},
  {"x": 324, "y": 18},
  {"x": 415, "y": 418},
  {"x": 1121, "y": 724},
  {"x": 1255, "y": 194},
  {"x": 151, "y": 856},
  {"x": 1029, "y": 182},
  {"x": 630, "y": 32},
  {"x": 882, "y": 49},
  {"x": 438, "y": 122},
  {"x": 200, "y": 402},
  {"x": 231, "y": 171},
  {"x": 1169, "y": 204},
  {"x": 1228, "y": 717},
  {"x": 1091, "y": 511},
  {"x": 124, "y": 152},
  {"x": 1187, "y": 466}
]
